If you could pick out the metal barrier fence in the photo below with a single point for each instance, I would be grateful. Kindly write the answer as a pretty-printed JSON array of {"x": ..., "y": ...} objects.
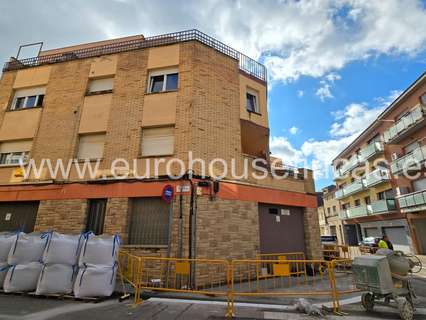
[{"x": 274, "y": 276}]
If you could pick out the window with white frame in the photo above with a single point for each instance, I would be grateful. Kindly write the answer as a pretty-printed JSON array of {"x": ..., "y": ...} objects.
[
  {"x": 158, "y": 141},
  {"x": 91, "y": 146},
  {"x": 28, "y": 98},
  {"x": 252, "y": 99},
  {"x": 163, "y": 80},
  {"x": 104, "y": 85},
  {"x": 14, "y": 152}
]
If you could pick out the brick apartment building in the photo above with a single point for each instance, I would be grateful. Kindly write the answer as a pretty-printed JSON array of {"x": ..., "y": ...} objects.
[
  {"x": 387, "y": 193},
  {"x": 144, "y": 98}
]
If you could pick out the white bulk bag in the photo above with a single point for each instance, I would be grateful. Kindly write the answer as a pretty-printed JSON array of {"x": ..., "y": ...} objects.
[
  {"x": 95, "y": 281},
  {"x": 4, "y": 267},
  {"x": 27, "y": 248},
  {"x": 22, "y": 277},
  {"x": 62, "y": 249},
  {"x": 99, "y": 250},
  {"x": 6, "y": 242},
  {"x": 56, "y": 279}
]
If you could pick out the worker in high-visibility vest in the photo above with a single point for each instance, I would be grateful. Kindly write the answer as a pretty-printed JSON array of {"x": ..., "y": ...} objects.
[{"x": 385, "y": 243}]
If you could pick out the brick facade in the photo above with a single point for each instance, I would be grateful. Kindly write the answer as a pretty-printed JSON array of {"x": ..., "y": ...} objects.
[{"x": 207, "y": 123}]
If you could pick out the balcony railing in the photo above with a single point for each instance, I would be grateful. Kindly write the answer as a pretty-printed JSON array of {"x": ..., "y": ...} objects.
[
  {"x": 377, "y": 176},
  {"x": 415, "y": 201},
  {"x": 371, "y": 150},
  {"x": 246, "y": 64},
  {"x": 402, "y": 126},
  {"x": 376, "y": 207},
  {"x": 352, "y": 188},
  {"x": 409, "y": 162},
  {"x": 365, "y": 154}
]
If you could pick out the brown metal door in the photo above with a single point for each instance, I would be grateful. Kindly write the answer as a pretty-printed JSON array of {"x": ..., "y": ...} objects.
[
  {"x": 18, "y": 216},
  {"x": 281, "y": 229}
]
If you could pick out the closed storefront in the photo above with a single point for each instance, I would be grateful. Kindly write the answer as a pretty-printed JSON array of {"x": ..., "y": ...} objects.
[
  {"x": 281, "y": 229},
  {"x": 18, "y": 216},
  {"x": 399, "y": 238}
]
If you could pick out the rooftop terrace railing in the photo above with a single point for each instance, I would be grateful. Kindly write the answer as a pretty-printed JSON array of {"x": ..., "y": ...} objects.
[{"x": 246, "y": 64}]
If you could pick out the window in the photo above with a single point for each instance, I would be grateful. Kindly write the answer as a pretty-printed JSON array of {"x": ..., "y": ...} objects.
[
  {"x": 334, "y": 209},
  {"x": 423, "y": 99},
  {"x": 367, "y": 200},
  {"x": 411, "y": 147},
  {"x": 357, "y": 203},
  {"x": 419, "y": 185},
  {"x": 28, "y": 98},
  {"x": 158, "y": 141},
  {"x": 149, "y": 221},
  {"x": 387, "y": 194},
  {"x": 97, "y": 86},
  {"x": 165, "y": 80},
  {"x": 252, "y": 101},
  {"x": 91, "y": 146},
  {"x": 14, "y": 152},
  {"x": 376, "y": 138},
  {"x": 96, "y": 216},
  {"x": 329, "y": 211}
]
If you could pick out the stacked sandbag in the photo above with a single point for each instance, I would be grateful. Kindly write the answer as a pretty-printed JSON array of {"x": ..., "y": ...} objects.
[
  {"x": 97, "y": 266},
  {"x": 59, "y": 264},
  {"x": 24, "y": 260},
  {"x": 95, "y": 281},
  {"x": 56, "y": 279},
  {"x": 6, "y": 241}
]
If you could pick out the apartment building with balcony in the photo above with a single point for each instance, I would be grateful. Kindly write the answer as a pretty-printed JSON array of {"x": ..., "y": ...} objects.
[
  {"x": 328, "y": 215},
  {"x": 141, "y": 99},
  {"x": 380, "y": 175}
]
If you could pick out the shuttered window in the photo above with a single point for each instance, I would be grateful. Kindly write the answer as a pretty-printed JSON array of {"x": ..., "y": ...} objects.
[
  {"x": 149, "y": 221},
  {"x": 101, "y": 85},
  {"x": 158, "y": 141},
  {"x": 91, "y": 146},
  {"x": 28, "y": 98},
  {"x": 14, "y": 152}
]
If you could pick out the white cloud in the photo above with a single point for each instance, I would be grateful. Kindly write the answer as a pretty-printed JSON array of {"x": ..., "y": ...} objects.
[
  {"x": 348, "y": 124},
  {"x": 293, "y": 38},
  {"x": 324, "y": 91},
  {"x": 293, "y": 130},
  {"x": 300, "y": 93}
]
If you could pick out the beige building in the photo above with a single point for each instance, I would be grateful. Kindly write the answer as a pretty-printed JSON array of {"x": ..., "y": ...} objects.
[
  {"x": 141, "y": 100},
  {"x": 328, "y": 212}
]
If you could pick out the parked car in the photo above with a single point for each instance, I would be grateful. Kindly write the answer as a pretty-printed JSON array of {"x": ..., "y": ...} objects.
[
  {"x": 328, "y": 240},
  {"x": 370, "y": 242}
]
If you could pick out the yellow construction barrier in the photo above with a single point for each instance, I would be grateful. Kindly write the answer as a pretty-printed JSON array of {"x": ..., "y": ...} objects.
[{"x": 275, "y": 275}]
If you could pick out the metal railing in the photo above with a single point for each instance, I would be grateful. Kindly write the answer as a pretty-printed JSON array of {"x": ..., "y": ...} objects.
[
  {"x": 376, "y": 207},
  {"x": 256, "y": 278},
  {"x": 410, "y": 161},
  {"x": 403, "y": 124},
  {"x": 246, "y": 64},
  {"x": 414, "y": 201},
  {"x": 349, "y": 189},
  {"x": 377, "y": 176}
]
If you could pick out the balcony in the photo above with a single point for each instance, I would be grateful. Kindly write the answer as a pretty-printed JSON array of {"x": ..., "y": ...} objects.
[
  {"x": 365, "y": 154},
  {"x": 352, "y": 188},
  {"x": 371, "y": 150},
  {"x": 376, "y": 207},
  {"x": 404, "y": 126},
  {"x": 410, "y": 161},
  {"x": 411, "y": 202},
  {"x": 376, "y": 177}
]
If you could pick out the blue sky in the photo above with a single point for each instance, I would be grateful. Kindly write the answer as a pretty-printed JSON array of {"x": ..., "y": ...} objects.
[
  {"x": 299, "y": 114},
  {"x": 333, "y": 65}
]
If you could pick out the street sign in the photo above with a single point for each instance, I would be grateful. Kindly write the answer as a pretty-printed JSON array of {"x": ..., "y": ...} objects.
[{"x": 168, "y": 193}]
